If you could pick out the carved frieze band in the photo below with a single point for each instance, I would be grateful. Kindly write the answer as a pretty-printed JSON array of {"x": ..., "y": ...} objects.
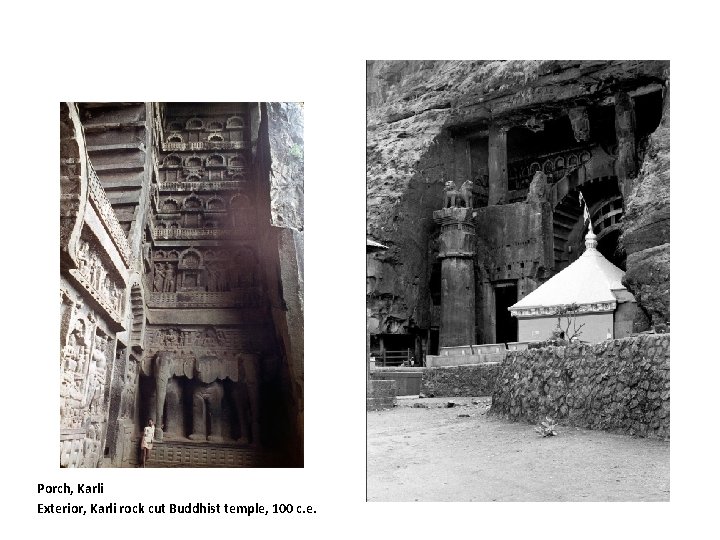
[
  {"x": 247, "y": 298},
  {"x": 95, "y": 278},
  {"x": 203, "y": 145},
  {"x": 107, "y": 215},
  {"x": 222, "y": 185}
]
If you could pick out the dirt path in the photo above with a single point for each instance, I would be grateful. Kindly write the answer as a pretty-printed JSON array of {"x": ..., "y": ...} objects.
[{"x": 432, "y": 454}]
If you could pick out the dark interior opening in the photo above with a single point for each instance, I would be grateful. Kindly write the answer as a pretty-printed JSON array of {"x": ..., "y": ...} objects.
[
  {"x": 505, "y": 324},
  {"x": 609, "y": 246},
  {"x": 556, "y": 135},
  {"x": 435, "y": 283},
  {"x": 648, "y": 113}
]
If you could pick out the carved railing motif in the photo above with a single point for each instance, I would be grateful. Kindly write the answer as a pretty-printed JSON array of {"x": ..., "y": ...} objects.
[
  {"x": 555, "y": 165},
  {"x": 108, "y": 217},
  {"x": 189, "y": 234},
  {"x": 236, "y": 298},
  {"x": 203, "y": 145},
  {"x": 222, "y": 185}
]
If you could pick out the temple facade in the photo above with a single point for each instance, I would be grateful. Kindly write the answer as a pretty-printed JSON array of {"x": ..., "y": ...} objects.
[
  {"x": 474, "y": 175},
  {"x": 181, "y": 283}
]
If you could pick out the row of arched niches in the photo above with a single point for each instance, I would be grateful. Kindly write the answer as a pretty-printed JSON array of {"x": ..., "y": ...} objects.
[
  {"x": 232, "y": 123},
  {"x": 193, "y": 202},
  {"x": 213, "y": 161},
  {"x": 555, "y": 166}
]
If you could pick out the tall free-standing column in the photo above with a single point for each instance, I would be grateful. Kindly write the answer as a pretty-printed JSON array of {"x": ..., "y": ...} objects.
[
  {"x": 457, "y": 252},
  {"x": 626, "y": 165},
  {"x": 497, "y": 164}
]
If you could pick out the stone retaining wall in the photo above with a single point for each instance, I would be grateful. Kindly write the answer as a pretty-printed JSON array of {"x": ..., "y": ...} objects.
[
  {"x": 459, "y": 381},
  {"x": 380, "y": 395},
  {"x": 408, "y": 380},
  {"x": 620, "y": 385}
]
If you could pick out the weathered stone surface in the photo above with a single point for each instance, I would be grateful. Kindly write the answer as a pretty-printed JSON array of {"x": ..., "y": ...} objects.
[
  {"x": 460, "y": 381},
  {"x": 599, "y": 386},
  {"x": 646, "y": 226},
  {"x": 381, "y": 394}
]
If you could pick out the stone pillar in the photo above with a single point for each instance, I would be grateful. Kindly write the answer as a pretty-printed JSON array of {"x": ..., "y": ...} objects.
[
  {"x": 457, "y": 252},
  {"x": 497, "y": 164},
  {"x": 625, "y": 166}
]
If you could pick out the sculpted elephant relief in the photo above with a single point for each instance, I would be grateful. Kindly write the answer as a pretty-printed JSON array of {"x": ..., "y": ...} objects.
[{"x": 207, "y": 374}]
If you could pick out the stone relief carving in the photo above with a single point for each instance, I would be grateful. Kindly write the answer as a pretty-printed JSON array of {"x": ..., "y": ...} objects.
[
  {"x": 94, "y": 273},
  {"x": 207, "y": 390}
]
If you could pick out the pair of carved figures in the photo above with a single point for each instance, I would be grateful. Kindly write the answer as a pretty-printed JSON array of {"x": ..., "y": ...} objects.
[
  {"x": 207, "y": 374},
  {"x": 165, "y": 278},
  {"x": 92, "y": 268},
  {"x": 453, "y": 196}
]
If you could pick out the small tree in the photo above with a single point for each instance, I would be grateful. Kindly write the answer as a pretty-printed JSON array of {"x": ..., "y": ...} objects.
[{"x": 567, "y": 325}]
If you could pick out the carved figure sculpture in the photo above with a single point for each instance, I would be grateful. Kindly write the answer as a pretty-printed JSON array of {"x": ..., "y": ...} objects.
[
  {"x": 169, "y": 285},
  {"x": 537, "y": 192},
  {"x": 159, "y": 280},
  {"x": 82, "y": 256},
  {"x": 208, "y": 373},
  {"x": 451, "y": 194},
  {"x": 466, "y": 191},
  {"x": 206, "y": 402}
]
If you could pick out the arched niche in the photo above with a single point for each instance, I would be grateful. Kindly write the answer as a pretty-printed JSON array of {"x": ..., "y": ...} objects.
[
  {"x": 215, "y": 204},
  {"x": 215, "y": 126},
  {"x": 174, "y": 138},
  {"x": 215, "y": 161},
  {"x": 237, "y": 161},
  {"x": 215, "y": 137},
  {"x": 192, "y": 202},
  {"x": 172, "y": 161},
  {"x": 194, "y": 124},
  {"x": 193, "y": 162},
  {"x": 235, "y": 122},
  {"x": 169, "y": 206}
]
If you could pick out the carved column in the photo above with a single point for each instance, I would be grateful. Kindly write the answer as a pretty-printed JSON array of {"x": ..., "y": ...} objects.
[
  {"x": 497, "y": 164},
  {"x": 457, "y": 252},
  {"x": 626, "y": 166}
]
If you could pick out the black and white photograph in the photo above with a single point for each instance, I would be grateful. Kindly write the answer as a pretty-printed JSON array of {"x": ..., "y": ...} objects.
[{"x": 518, "y": 280}]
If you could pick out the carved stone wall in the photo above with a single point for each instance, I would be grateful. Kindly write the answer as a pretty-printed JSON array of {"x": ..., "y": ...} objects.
[
  {"x": 167, "y": 310},
  {"x": 497, "y": 123}
]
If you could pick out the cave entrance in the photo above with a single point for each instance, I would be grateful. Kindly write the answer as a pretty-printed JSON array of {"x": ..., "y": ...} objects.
[
  {"x": 394, "y": 349},
  {"x": 506, "y": 328}
]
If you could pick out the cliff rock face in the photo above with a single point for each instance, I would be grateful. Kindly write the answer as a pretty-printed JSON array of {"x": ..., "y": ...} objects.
[
  {"x": 646, "y": 227},
  {"x": 287, "y": 169}
]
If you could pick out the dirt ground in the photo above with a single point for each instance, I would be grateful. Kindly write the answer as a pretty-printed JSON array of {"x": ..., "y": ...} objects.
[{"x": 434, "y": 454}]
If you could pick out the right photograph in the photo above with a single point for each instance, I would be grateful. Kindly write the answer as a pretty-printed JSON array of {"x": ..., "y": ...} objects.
[{"x": 518, "y": 280}]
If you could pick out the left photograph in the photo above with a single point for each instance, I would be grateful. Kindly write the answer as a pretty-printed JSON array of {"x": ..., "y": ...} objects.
[{"x": 181, "y": 284}]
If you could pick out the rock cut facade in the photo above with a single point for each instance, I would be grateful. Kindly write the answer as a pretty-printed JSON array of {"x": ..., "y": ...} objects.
[
  {"x": 523, "y": 139},
  {"x": 181, "y": 283}
]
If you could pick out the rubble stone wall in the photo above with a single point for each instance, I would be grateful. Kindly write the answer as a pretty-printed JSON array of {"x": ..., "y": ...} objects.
[
  {"x": 620, "y": 385},
  {"x": 460, "y": 381}
]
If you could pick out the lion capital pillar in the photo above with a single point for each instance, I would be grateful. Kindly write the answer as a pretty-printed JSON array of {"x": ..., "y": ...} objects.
[{"x": 457, "y": 253}]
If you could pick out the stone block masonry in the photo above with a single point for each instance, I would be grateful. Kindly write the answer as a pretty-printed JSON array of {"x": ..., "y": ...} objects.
[
  {"x": 460, "y": 381},
  {"x": 381, "y": 395},
  {"x": 618, "y": 385}
]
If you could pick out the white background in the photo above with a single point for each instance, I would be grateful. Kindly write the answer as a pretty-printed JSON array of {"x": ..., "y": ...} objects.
[{"x": 277, "y": 51}]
